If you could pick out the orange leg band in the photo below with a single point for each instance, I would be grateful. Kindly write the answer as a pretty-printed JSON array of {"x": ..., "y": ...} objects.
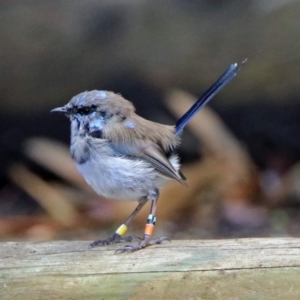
[{"x": 149, "y": 228}]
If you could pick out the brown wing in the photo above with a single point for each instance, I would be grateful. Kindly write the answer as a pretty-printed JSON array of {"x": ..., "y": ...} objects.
[{"x": 158, "y": 159}]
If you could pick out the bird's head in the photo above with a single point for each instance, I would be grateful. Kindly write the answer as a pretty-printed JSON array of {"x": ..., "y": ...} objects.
[{"x": 96, "y": 110}]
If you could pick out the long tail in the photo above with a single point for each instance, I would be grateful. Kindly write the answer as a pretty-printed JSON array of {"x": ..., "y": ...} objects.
[{"x": 228, "y": 75}]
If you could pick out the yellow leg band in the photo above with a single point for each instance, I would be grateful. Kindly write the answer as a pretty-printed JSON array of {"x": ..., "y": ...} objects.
[{"x": 122, "y": 230}]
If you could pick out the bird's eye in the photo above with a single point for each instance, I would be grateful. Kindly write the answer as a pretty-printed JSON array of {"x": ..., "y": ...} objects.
[{"x": 83, "y": 110}]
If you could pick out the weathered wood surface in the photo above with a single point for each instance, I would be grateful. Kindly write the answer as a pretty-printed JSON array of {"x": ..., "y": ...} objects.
[{"x": 219, "y": 269}]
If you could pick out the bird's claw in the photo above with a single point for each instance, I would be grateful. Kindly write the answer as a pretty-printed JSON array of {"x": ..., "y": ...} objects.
[
  {"x": 116, "y": 238},
  {"x": 142, "y": 244}
]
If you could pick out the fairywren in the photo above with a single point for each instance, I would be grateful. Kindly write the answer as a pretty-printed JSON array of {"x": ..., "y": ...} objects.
[{"x": 126, "y": 157}]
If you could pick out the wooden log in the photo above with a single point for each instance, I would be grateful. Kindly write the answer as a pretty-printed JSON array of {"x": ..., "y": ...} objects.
[{"x": 266, "y": 268}]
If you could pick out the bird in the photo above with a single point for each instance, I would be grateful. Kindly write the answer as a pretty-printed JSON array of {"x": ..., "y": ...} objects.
[{"x": 123, "y": 156}]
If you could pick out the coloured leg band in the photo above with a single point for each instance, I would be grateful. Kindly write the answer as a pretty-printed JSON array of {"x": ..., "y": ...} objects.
[
  {"x": 122, "y": 230},
  {"x": 149, "y": 228},
  {"x": 151, "y": 219}
]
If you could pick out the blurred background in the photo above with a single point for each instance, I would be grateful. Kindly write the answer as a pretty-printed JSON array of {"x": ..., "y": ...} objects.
[{"x": 240, "y": 154}]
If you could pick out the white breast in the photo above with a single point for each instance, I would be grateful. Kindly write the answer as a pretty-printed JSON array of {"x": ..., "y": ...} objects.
[
  {"x": 115, "y": 177},
  {"x": 118, "y": 177}
]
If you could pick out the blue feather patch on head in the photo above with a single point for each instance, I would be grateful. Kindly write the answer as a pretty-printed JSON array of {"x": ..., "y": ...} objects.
[
  {"x": 80, "y": 100},
  {"x": 129, "y": 124},
  {"x": 97, "y": 124},
  {"x": 101, "y": 94}
]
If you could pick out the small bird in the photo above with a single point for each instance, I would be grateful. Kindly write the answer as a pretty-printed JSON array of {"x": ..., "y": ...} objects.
[{"x": 123, "y": 156}]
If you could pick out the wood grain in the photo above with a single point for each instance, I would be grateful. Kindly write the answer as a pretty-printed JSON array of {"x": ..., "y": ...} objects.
[{"x": 218, "y": 269}]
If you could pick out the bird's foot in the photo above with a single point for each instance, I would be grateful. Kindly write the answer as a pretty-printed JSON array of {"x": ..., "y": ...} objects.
[
  {"x": 142, "y": 244},
  {"x": 116, "y": 238}
]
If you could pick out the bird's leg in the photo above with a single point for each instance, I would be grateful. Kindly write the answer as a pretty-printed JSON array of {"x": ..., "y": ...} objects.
[
  {"x": 149, "y": 228},
  {"x": 117, "y": 236}
]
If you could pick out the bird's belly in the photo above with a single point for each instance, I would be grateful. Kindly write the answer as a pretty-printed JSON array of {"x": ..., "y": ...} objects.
[{"x": 119, "y": 178}]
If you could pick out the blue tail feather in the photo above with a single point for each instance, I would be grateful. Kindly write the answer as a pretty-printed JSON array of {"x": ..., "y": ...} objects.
[{"x": 228, "y": 75}]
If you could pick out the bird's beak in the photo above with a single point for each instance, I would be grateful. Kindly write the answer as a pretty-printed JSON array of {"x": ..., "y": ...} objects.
[{"x": 60, "y": 110}]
